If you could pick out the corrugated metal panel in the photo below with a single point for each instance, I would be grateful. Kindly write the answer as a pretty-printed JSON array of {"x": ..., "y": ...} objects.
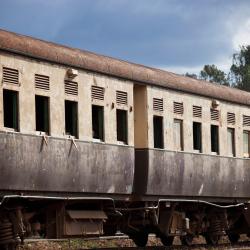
[
  {"x": 158, "y": 104},
  {"x": 97, "y": 93},
  {"x": 178, "y": 108},
  {"x": 122, "y": 97},
  {"x": 230, "y": 118},
  {"x": 197, "y": 111},
  {"x": 214, "y": 114},
  {"x": 87, "y": 214},
  {"x": 10, "y": 75},
  {"x": 246, "y": 121},
  {"x": 42, "y": 82},
  {"x": 70, "y": 87}
]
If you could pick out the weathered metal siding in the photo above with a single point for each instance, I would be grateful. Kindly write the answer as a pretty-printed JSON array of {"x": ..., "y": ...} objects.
[
  {"x": 171, "y": 173},
  {"x": 27, "y": 164}
]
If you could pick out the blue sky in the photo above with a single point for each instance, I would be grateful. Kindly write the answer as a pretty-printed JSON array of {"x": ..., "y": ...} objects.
[{"x": 179, "y": 36}]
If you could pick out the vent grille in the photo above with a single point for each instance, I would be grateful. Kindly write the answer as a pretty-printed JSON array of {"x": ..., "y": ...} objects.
[
  {"x": 122, "y": 97},
  {"x": 41, "y": 82},
  {"x": 214, "y": 114},
  {"x": 246, "y": 121},
  {"x": 197, "y": 111},
  {"x": 158, "y": 104},
  {"x": 97, "y": 93},
  {"x": 70, "y": 87},
  {"x": 10, "y": 75},
  {"x": 178, "y": 108},
  {"x": 230, "y": 118}
]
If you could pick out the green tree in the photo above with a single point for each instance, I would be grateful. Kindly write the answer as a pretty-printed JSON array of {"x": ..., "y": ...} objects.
[
  {"x": 240, "y": 69},
  {"x": 212, "y": 74}
]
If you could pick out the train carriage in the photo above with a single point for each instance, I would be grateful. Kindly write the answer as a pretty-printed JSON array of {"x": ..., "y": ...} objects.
[{"x": 91, "y": 145}]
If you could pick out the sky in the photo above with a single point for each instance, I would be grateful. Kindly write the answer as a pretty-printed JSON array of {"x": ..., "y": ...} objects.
[{"x": 176, "y": 35}]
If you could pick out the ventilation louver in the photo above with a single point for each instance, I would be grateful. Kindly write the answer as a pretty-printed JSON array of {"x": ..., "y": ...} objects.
[
  {"x": 246, "y": 121},
  {"x": 10, "y": 75},
  {"x": 70, "y": 87},
  {"x": 42, "y": 82},
  {"x": 230, "y": 118},
  {"x": 158, "y": 104},
  {"x": 97, "y": 93},
  {"x": 214, "y": 114},
  {"x": 178, "y": 108},
  {"x": 197, "y": 111},
  {"x": 121, "y": 97}
]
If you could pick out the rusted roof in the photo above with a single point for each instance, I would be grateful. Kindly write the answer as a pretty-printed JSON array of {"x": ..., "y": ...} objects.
[{"x": 52, "y": 52}]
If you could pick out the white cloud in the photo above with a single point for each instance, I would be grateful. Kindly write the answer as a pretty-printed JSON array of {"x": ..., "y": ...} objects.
[{"x": 242, "y": 35}]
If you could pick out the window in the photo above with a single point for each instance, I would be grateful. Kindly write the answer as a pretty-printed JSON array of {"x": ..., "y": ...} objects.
[
  {"x": 197, "y": 141},
  {"x": 230, "y": 142},
  {"x": 122, "y": 126},
  {"x": 42, "y": 113},
  {"x": 215, "y": 139},
  {"x": 246, "y": 143},
  {"x": 10, "y": 107},
  {"x": 98, "y": 122},
  {"x": 71, "y": 118},
  {"x": 178, "y": 135},
  {"x": 158, "y": 131}
]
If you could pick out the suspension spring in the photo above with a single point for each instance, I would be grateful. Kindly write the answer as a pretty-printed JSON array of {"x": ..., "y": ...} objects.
[
  {"x": 215, "y": 226},
  {"x": 6, "y": 232}
]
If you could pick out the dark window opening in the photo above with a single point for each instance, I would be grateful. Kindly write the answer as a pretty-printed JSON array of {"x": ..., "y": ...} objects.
[
  {"x": 10, "y": 106},
  {"x": 158, "y": 131},
  {"x": 215, "y": 139},
  {"x": 42, "y": 114},
  {"x": 71, "y": 118},
  {"x": 122, "y": 126},
  {"x": 197, "y": 142},
  {"x": 98, "y": 122}
]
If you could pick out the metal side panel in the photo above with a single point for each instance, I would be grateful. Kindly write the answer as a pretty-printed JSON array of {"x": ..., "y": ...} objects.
[
  {"x": 196, "y": 175},
  {"x": 28, "y": 164}
]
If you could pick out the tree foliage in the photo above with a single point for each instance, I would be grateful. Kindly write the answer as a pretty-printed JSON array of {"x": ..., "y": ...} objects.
[
  {"x": 239, "y": 75},
  {"x": 212, "y": 74},
  {"x": 240, "y": 69}
]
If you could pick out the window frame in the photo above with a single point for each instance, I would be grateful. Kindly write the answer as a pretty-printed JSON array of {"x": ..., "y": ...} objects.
[
  {"x": 48, "y": 114},
  {"x": 179, "y": 121},
  {"x": 162, "y": 132},
  {"x": 17, "y": 108},
  {"x": 103, "y": 123}
]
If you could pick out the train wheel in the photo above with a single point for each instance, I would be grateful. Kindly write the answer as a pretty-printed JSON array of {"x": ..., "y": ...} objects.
[
  {"x": 140, "y": 239},
  {"x": 187, "y": 240},
  {"x": 233, "y": 237},
  {"x": 167, "y": 240},
  {"x": 212, "y": 239}
]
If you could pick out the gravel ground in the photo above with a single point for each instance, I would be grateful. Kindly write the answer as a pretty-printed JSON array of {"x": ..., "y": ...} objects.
[{"x": 90, "y": 244}]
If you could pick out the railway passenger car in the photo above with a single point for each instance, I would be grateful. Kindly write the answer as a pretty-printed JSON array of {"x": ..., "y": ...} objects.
[{"x": 91, "y": 145}]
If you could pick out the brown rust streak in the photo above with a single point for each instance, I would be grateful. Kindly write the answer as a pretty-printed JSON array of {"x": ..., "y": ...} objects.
[{"x": 52, "y": 52}]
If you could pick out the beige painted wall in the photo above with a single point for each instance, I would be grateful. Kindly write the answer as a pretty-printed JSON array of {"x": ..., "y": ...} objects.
[
  {"x": 169, "y": 96},
  {"x": 27, "y": 70},
  {"x": 144, "y": 127}
]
